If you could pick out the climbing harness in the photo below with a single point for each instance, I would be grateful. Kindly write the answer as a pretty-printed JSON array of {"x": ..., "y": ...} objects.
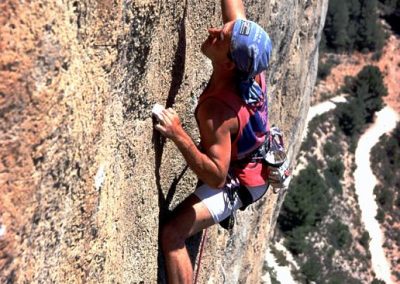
[
  {"x": 271, "y": 153},
  {"x": 235, "y": 190}
]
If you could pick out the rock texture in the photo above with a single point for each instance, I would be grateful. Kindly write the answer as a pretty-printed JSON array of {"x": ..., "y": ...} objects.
[{"x": 84, "y": 179}]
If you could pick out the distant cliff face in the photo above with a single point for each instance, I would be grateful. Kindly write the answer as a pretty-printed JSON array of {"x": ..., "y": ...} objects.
[{"x": 84, "y": 179}]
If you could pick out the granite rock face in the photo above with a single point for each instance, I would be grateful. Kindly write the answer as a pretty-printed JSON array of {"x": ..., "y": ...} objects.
[{"x": 84, "y": 179}]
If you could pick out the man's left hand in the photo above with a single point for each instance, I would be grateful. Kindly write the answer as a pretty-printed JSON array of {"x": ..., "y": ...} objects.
[{"x": 169, "y": 123}]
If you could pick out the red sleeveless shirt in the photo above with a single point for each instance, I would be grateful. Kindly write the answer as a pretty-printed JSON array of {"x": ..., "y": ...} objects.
[{"x": 253, "y": 125}]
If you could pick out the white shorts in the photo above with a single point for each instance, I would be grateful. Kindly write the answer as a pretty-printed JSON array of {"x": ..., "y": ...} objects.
[{"x": 217, "y": 202}]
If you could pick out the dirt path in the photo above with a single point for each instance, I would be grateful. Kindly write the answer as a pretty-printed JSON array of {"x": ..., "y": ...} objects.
[
  {"x": 283, "y": 273},
  {"x": 365, "y": 182},
  {"x": 321, "y": 108}
]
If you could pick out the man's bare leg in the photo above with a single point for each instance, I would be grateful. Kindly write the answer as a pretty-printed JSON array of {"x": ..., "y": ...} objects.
[{"x": 189, "y": 218}]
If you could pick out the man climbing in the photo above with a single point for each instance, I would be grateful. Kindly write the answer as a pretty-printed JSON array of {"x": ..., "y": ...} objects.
[{"x": 232, "y": 116}]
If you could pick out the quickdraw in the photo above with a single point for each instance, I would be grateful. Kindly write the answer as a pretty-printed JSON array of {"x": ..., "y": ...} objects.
[{"x": 272, "y": 153}]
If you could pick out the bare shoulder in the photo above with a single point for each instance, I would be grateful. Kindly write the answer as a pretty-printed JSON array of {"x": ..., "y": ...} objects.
[
  {"x": 214, "y": 108},
  {"x": 217, "y": 114}
]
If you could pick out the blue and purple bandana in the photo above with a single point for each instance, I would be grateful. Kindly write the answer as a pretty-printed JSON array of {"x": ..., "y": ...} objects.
[{"x": 251, "y": 50}]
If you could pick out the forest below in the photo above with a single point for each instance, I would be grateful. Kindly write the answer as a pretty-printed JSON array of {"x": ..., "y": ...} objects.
[{"x": 312, "y": 212}]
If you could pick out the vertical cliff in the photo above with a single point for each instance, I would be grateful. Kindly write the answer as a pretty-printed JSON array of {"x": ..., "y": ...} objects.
[{"x": 84, "y": 179}]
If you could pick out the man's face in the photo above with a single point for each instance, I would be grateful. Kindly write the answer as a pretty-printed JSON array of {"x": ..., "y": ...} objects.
[{"x": 217, "y": 45}]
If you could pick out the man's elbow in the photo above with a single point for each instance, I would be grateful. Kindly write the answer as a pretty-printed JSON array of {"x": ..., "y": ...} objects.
[
  {"x": 215, "y": 178},
  {"x": 220, "y": 185},
  {"x": 217, "y": 182}
]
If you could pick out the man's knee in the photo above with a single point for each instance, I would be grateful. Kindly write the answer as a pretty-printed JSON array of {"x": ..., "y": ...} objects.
[{"x": 171, "y": 238}]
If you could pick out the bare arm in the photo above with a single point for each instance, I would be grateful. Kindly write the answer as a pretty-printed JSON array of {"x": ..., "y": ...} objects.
[
  {"x": 232, "y": 10},
  {"x": 211, "y": 166}
]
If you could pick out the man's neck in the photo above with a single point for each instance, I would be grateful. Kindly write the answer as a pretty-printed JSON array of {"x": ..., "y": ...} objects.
[{"x": 221, "y": 79}]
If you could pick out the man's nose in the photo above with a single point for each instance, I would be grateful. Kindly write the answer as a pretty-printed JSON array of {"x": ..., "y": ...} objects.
[{"x": 216, "y": 33}]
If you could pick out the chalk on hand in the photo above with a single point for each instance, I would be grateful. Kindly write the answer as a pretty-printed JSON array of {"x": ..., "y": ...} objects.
[{"x": 157, "y": 109}]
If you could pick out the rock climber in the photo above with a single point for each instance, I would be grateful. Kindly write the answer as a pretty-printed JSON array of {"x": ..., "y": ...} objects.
[{"x": 232, "y": 117}]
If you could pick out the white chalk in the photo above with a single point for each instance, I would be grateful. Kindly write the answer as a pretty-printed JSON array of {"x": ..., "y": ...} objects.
[
  {"x": 157, "y": 109},
  {"x": 2, "y": 230},
  {"x": 99, "y": 178}
]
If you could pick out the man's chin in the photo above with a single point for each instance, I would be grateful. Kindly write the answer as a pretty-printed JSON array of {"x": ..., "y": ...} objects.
[{"x": 203, "y": 50}]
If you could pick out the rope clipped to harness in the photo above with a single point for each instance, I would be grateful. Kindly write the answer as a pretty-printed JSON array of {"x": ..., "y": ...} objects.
[
  {"x": 234, "y": 192},
  {"x": 231, "y": 189},
  {"x": 202, "y": 244}
]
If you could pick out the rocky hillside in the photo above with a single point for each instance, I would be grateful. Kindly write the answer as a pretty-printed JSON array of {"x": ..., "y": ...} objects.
[{"x": 84, "y": 179}]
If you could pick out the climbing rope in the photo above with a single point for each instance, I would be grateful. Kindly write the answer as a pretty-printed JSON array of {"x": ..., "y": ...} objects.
[{"x": 203, "y": 240}]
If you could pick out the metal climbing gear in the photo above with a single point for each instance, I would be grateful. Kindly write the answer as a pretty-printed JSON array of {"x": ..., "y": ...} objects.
[
  {"x": 231, "y": 189},
  {"x": 279, "y": 177},
  {"x": 275, "y": 157},
  {"x": 273, "y": 154}
]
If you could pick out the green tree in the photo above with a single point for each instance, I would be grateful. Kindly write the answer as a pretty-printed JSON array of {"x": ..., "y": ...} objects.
[
  {"x": 371, "y": 36},
  {"x": 340, "y": 277},
  {"x": 384, "y": 197},
  {"x": 389, "y": 6},
  {"x": 353, "y": 26},
  {"x": 367, "y": 90},
  {"x": 334, "y": 173},
  {"x": 336, "y": 24},
  {"x": 306, "y": 202},
  {"x": 296, "y": 239},
  {"x": 370, "y": 88},
  {"x": 336, "y": 167},
  {"x": 364, "y": 240},
  {"x": 378, "y": 281},
  {"x": 396, "y": 133},
  {"x": 351, "y": 117},
  {"x": 380, "y": 216},
  {"x": 312, "y": 268},
  {"x": 390, "y": 10},
  {"x": 339, "y": 235},
  {"x": 325, "y": 65}
]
